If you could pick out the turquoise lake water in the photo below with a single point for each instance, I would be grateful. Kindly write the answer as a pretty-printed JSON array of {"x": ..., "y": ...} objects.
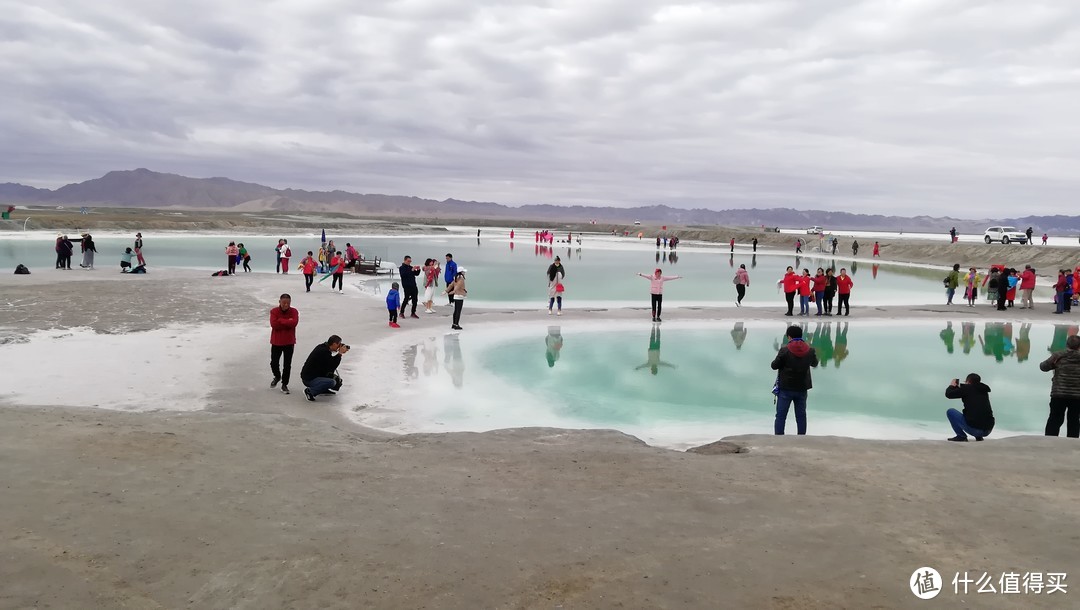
[
  {"x": 713, "y": 380},
  {"x": 602, "y": 272}
]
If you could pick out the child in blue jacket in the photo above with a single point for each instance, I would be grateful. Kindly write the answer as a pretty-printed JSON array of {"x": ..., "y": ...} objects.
[{"x": 393, "y": 302}]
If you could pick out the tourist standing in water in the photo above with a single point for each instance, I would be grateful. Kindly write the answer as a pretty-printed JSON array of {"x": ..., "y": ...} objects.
[
  {"x": 283, "y": 321},
  {"x": 656, "y": 291},
  {"x": 790, "y": 282},
  {"x": 792, "y": 365},
  {"x": 230, "y": 253},
  {"x": 457, "y": 292},
  {"x": 555, "y": 275},
  {"x": 742, "y": 280},
  {"x": 843, "y": 288},
  {"x": 308, "y": 266},
  {"x": 1064, "y": 389},
  {"x": 978, "y": 417},
  {"x": 138, "y": 249}
]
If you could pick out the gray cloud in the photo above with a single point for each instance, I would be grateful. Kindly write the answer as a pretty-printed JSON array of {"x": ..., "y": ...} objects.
[{"x": 962, "y": 107}]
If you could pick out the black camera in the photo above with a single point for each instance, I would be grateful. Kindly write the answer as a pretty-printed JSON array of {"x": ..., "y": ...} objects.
[{"x": 348, "y": 346}]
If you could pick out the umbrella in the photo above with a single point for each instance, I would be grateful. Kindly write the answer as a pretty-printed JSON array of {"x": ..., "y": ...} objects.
[{"x": 324, "y": 236}]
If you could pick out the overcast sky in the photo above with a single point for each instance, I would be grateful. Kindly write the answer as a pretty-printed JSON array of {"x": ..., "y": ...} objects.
[{"x": 960, "y": 107}]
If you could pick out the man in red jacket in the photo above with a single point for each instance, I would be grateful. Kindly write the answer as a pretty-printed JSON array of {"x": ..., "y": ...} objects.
[
  {"x": 283, "y": 321},
  {"x": 1027, "y": 284},
  {"x": 843, "y": 288}
]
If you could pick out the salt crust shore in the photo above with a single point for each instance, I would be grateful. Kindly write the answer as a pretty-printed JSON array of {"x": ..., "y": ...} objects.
[{"x": 260, "y": 500}]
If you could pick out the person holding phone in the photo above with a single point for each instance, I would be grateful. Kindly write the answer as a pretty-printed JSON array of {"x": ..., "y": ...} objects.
[{"x": 978, "y": 417}]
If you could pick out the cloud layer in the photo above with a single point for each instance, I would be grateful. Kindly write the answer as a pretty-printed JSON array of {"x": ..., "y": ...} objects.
[{"x": 961, "y": 107}]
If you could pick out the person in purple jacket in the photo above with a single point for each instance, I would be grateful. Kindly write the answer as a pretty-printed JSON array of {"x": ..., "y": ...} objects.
[{"x": 656, "y": 289}]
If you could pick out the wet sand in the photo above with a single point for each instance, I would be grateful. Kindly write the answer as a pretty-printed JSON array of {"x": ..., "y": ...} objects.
[{"x": 261, "y": 500}]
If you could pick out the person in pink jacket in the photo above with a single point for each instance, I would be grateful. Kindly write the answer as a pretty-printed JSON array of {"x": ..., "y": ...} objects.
[
  {"x": 742, "y": 280},
  {"x": 656, "y": 289}
]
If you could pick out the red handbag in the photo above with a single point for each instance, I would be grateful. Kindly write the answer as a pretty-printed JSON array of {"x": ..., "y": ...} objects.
[{"x": 559, "y": 288}]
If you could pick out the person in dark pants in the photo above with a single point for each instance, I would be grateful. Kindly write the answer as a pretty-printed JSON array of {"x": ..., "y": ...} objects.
[
  {"x": 408, "y": 275},
  {"x": 843, "y": 289},
  {"x": 456, "y": 290},
  {"x": 792, "y": 365},
  {"x": 656, "y": 291},
  {"x": 754, "y": 243},
  {"x": 830, "y": 290},
  {"x": 1064, "y": 389},
  {"x": 450, "y": 272},
  {"x": 790, "y": 282},
  {"x": 283, "y": 321},
  {"x": 319, "y": 372},
  {"x": 977, "y": 418}
]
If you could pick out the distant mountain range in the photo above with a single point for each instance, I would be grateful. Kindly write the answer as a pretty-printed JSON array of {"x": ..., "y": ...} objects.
[{"x": 147, "y": 189}]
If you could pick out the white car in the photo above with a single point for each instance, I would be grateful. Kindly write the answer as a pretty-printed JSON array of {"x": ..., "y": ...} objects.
[
  {"x": 814, "y": 231},
  {"x": 1005, "y": 235}
]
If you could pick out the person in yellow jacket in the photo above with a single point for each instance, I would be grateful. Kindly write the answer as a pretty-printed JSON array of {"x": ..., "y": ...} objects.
[{"x": 971, "y": 282}]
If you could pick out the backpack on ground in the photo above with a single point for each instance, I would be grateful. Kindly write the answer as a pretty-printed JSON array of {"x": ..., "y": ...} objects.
[
  {"x": 21, "y": 269},
  {"x": 219, "y": 273}
]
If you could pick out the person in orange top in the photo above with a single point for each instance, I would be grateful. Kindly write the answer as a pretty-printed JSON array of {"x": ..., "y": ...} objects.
[{"x": 337, "y": 267}]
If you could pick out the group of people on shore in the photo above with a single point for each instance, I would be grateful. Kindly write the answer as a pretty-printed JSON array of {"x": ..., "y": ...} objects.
[
  {"x": 455, "y": 291},
  {"x": 820, "y": 289},
  {"x": 65, "y": 250},
  {"x": 1001, "y": 285}
]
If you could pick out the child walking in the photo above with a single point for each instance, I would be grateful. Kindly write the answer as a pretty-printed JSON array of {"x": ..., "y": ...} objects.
[
  {"x": 656, "y": 290},
  {"x": 393, "y": 303}
]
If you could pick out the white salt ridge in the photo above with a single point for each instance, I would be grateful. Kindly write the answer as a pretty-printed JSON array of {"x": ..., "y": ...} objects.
[{"x": 163, "y": 369}]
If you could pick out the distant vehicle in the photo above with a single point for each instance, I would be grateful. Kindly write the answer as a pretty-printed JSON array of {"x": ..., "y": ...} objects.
[
  {"x": 814, "y": 230},
  {"x": 1005, "y": 235},
  {"x": 637, "y": 222}
]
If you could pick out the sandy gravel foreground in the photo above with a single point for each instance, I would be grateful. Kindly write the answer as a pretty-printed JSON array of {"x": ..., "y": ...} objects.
[{"x": 108, "y": 510}]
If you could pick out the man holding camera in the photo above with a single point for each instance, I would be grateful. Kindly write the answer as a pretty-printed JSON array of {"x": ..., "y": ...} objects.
[
  {"x": 1064, "y": 389},
  {"x": 977, "y": 418},
  {"x": 319, "y": 372}
]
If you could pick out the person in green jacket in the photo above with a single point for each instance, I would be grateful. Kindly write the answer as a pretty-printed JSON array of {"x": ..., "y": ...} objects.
[{"x": 952, "y": 282}]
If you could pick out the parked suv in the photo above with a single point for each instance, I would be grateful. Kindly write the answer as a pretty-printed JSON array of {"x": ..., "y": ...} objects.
[
  {"x": 1004, "y": 235},
  {"x": 814, "y": 230}
]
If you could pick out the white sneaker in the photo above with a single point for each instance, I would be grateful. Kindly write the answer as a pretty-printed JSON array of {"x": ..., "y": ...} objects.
[
  {"x": 558, "y": 313},
  {"x": 549, "y": 312},
  {"x": 429, "y": 311}
]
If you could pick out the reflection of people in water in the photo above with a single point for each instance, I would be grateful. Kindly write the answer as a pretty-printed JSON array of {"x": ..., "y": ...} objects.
[
  {"x": 1061, "y": 333},
  {"x": 673, "y": 258},
  {"x": 948, "y": 336},
  {"x": 654, "y": 363},
  {"x": 431, "y": 357},
  {"x": 854, "y": 267},
  {"x": 994, "y": 342},
  {"x": 738, "y": 335},
  {"x": 753, "y": 261},
  {"x": 552, "y": 344},
  {"x": 840, "y": 351},
  {"x": 967, "y": 336},
  {"x": 409, "y": 360},
  {"x": 1023, "y": 342},
  {"x": 873, "y": 270},
  {"x": 822, "y": 342},
  {"x": 452, "y": 358}
]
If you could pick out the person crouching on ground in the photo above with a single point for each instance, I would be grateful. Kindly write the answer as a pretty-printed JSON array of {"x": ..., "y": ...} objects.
[
  {"x": 393, "y": 302},
  {"x": 125, "y": 260},
  {"x": 319, "y": 372},
  {"x": 977, "y": 418},
  {"x": 792, "y": 364}
]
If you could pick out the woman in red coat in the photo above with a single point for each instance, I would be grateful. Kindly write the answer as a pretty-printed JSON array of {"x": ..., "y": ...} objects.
[
  {"x": 877, "y": 250},
  {"x": 843, "y": 288},
  {"x": 790, "y": 282},
  {"x": 806, "y": 284},
  {"x": 820, "y": 283}
]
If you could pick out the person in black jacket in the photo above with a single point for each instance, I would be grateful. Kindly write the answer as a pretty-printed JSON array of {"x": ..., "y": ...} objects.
[
  {"x": 319, "y": 374},
  {"x": 977, "y": 418},
  {"x": 408, "y": 275},
  {"x": 793, "y": 363}
]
